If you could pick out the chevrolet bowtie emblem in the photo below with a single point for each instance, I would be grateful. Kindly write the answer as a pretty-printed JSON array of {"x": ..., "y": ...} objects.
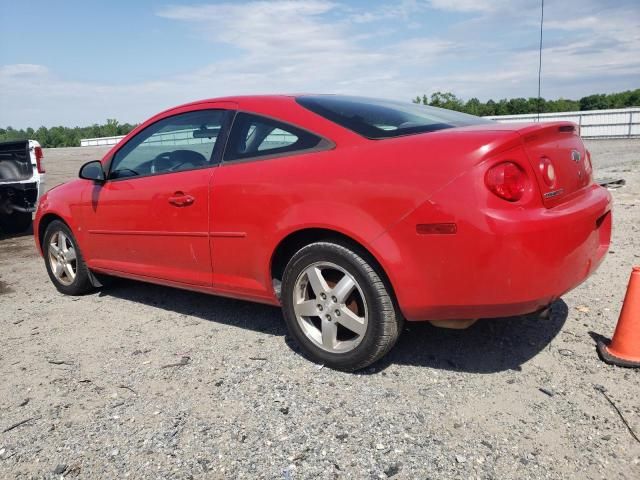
[{"x": 575, "y": 155}]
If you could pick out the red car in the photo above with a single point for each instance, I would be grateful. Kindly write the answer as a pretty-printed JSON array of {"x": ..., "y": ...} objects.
[{"x": 353, "y": 214}]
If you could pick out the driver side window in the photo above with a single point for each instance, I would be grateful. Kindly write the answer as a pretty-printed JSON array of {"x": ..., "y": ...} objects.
[{"x": 181, "y": 142}]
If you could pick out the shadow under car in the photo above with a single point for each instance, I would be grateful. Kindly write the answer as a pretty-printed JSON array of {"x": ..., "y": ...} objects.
[{"x": 488, "y": 346}]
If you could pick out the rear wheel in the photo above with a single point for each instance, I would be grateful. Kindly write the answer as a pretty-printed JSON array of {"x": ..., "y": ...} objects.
[
  {"x": 337, "y": 307},
  {"x": 63, "y": 259},
  {"x": 15, "y": 222}
]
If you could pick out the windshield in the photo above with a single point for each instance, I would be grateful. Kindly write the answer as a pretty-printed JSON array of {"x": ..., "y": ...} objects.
[{"x": 373, "y": 118}]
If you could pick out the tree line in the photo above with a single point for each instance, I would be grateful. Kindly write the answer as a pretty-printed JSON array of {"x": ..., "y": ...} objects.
[
  {"x": 65, "y": 136},
  {"x": 70, "y": 137},
  {"x": 516, "y": 106}
]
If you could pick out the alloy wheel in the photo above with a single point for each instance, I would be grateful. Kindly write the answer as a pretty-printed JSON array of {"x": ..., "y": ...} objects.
[
  {"x": 62, "y": 258},
  {"x": 330, "y": 307}
]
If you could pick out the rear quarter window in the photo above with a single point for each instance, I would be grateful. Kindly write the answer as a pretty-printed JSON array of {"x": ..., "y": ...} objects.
[{"x": 255, "y": 136}]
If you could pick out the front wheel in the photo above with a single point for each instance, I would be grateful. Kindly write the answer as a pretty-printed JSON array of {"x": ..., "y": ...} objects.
[
  {"x": 63, "y": 259},
  {"x": 337, "y": 307}
]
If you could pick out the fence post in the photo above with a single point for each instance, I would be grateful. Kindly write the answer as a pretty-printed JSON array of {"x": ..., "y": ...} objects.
[
  {"x": 580, "y": 124},
  {"x": 630, "y": 122}
]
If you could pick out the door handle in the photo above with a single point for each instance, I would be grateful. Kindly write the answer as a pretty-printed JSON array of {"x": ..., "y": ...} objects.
[{"x": 181, "y": 199}]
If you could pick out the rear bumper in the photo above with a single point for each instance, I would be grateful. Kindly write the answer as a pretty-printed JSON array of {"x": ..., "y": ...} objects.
[{"x": 501, "y": 262}]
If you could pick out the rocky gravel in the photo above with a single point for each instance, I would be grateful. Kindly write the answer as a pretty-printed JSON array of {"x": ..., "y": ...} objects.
[{"x": 143, "y": 381}]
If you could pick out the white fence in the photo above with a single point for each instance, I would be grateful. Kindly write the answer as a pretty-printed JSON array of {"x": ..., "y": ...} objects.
[
  {"x": 177, "y": 137},
  {"x": 98, "y": 142},
  {"x": 275, "y": 139},
  {"x": 615, "y": 123}
]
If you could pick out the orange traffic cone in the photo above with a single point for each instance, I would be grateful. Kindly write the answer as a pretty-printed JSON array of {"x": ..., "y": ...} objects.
[{"x": 624, "y": 349}]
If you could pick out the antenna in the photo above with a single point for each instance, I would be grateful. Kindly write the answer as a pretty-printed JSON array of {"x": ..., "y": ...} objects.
[{"x": 540, "y": 61}]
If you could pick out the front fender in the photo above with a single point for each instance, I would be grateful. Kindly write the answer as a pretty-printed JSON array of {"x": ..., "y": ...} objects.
[{"x": 63, "y": 202}]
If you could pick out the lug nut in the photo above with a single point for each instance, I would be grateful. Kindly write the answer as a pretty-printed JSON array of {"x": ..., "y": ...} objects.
[
  {"x": 323, "y": 296},
  {"x": 328, "y": 317},
  {"x": 337, "y": 312},
  {"x": 319, "y": 307},
  {"x": 334, "y": 299}
]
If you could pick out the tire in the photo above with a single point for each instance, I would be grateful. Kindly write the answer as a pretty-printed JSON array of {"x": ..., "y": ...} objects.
[
  {"x": 60, "y": 248},
  {"x": 355, "y": 325},
  {"x": 15, "y": 222}
]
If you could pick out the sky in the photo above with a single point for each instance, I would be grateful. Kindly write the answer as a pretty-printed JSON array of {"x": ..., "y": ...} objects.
[{"x": 80, "y": 62}]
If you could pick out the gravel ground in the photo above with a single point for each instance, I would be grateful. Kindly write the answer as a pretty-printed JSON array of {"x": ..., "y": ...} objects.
[{"x": 143, "y": 381}]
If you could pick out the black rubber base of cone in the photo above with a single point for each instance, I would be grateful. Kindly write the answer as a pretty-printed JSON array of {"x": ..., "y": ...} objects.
[{"x": 606, "y": 357}]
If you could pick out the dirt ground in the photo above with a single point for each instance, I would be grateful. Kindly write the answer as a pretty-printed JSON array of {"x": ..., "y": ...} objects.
[{"x": 101, "y": 388}]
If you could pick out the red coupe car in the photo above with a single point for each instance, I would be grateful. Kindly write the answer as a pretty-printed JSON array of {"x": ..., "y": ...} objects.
[{"x": 353, "y": 214}]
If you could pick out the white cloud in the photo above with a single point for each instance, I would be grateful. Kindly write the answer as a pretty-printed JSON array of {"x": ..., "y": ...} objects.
[
  {"x": 22, "y": 70},
  {"x": 323, "y": 46},
  {"x": 470, "y": 6},
  {"x": 399, "y": 9},
  {"x": 264, "y": 26},
  {"x": 289, "y": 48}
]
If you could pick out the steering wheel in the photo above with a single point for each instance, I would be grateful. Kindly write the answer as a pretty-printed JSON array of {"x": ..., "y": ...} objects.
[
  {"x": 156, "y": 163},
  {"x": 183, "y": 156}
]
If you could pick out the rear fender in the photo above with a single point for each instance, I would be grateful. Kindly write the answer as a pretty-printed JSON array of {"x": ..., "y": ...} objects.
[{"x": 347, "y": 220}]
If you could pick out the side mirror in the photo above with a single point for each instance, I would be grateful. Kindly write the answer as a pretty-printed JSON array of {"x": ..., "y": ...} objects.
[{"x": 92, "y": 171}]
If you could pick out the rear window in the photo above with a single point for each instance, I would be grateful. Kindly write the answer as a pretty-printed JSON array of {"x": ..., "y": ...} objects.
[{"x": 373, "y": 118}]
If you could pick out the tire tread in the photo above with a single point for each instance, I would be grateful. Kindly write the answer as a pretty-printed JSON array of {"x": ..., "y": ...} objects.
[
  {"x": 82, "y": 283},
  {"x": 389, "y": 318}
]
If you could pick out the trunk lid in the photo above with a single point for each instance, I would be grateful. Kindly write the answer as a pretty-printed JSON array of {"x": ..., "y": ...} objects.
[
  {"x": 15, "y": 161},
  {"x": 558, "y": 144}
]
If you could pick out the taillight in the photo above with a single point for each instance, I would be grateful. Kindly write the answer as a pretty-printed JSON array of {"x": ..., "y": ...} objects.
[
  {"x": 39, "y": 157},
  {"x": 548, "y": 171},
  {"x": 507, "y": 180}
]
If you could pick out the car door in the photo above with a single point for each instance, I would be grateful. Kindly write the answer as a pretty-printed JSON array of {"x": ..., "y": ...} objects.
[
  {"x": 247, "y": 198},
  {"x": 150, "y": 218}
]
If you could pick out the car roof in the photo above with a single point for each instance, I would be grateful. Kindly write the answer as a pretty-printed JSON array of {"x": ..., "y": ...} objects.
[
  {"x": 281, "y": 106},
  {"x": 284, "y": 105},
  {"x": 244, "y": 100},
  {"x": 240, "y": 98}
]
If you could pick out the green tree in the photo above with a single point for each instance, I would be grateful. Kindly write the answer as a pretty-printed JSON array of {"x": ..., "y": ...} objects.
[
  {"x": 629, "y": 98},
  {"x": 594, "y": 102},
  {"x": 473, "y": 106},
  {"x": 60, "y": 136},
  {"x": 490, "y": 108},
  {"x": 111, "y": 128},
  {"x": 446, "y": 100}
]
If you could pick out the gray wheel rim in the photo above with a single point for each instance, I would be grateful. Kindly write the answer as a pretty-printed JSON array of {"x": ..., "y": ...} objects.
[
  {"x": 62, "y": 258},
  {"x": 325, "y": 309}
]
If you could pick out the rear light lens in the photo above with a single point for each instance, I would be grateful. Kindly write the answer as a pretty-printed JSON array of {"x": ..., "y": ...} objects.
[
  {"x": 548, "y": 171},
  {"x": 39, "y": 157},
  {"x": 507, "y": 180}
]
